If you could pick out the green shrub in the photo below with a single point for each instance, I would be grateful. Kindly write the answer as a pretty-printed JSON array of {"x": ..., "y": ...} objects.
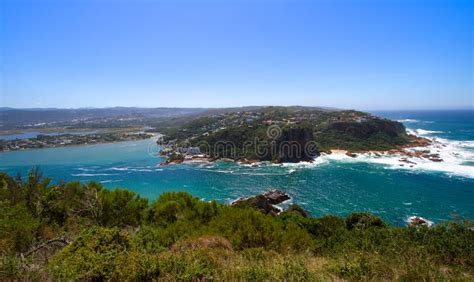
[
  {"x": 363, "y": 220},
  {"x": 295, "y": 271},
  {"x": 17, "y": 228},
  {"x": 171, "y": 206},
  {"x": 121, "y": 208},
  {"x": 10, "y": 267},
  {"x": 357, "y": 270},
  {"x": 247, "y": 228},
  {"x": 296, "y": 239},
  {"x": 95, "y": 254}
]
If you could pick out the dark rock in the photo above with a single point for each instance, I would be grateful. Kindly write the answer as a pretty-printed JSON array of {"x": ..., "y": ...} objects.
[
  {"x": 416, "y": 221},
  {"x": 258, "y": 202},
  {"x": 295, "y": 145},
  {"x": 405, "y": 160},
  {"x": 263, "y": 202},
  {"x": 352, "y": 155},
  {"x": 276, "y": 197},
  {"x": 248, "y": 162}
]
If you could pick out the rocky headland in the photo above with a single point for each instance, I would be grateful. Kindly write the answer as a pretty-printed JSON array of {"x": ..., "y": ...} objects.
[{"x": 289, "y": 135}]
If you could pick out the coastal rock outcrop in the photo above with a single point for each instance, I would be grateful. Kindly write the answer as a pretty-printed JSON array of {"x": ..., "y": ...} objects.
[
  {"x": 264, "y": 202},
  {"x": 276, "y": 197},
  {"x": 294, "y": 146},
  {"x": 417, "y": 221}
]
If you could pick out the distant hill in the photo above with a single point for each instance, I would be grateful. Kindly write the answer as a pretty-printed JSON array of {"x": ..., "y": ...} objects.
[
  {"x": 11, "y": 118},
  {"x": 18, "y": 118}
]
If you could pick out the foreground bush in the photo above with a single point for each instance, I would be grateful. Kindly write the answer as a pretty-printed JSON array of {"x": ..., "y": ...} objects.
[{"x": 74, "y": 231}]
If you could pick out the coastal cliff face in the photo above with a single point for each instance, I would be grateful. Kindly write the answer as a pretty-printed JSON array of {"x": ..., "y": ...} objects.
[
  {"x": 291, "y": 145},
  {"x": 280, "y": 134},
  {"x": 294, "y": 146}
]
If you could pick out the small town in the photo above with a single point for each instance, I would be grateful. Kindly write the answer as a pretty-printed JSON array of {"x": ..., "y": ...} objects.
[{"x": 46, "y": 141}]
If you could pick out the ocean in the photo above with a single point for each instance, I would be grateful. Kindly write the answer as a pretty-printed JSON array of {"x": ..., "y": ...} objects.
[{"x": 333, "y": 184}]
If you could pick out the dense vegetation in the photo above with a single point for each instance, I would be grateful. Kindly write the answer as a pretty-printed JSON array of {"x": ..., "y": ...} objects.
[
  {"x": 271, "y": 133},
  {"x": 83, "y": 231}
]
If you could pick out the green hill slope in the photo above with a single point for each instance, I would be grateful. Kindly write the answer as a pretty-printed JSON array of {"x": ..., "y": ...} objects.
[{"x": 83, "y": 231}]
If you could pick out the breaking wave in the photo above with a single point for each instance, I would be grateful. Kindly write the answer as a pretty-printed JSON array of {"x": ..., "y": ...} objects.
[
  {"x": 408, "y": 120},
  {"x": 456, "y": 157},
  {"x": 93, "y": 174},
  {"x": 423, "y": 132},
  {"x": 410, "y": 219},
  {"x": 109, "y": 181},
  {"x": 138, "y": 169}
]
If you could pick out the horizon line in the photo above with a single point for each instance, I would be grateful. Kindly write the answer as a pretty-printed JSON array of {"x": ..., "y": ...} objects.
[{"x": 231, "y": 107}]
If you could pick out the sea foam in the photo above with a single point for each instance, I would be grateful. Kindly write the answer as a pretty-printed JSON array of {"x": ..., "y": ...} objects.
[
  {"x": 109, "y": 181},
  {"x": 455, "y": 155},
  {"x": 426, "y": 132},
  {"x": 93, "y": 174},
  {"x": 408, "y": 120}
]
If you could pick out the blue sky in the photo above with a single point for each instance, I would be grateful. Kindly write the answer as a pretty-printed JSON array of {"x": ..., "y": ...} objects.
[{"x": 348, "y": 54}]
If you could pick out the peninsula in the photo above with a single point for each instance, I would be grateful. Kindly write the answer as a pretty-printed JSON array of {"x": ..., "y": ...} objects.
[{"x": 284, "y": 134}]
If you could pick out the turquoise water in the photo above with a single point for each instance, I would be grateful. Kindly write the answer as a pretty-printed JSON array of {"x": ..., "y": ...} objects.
[{"x": 331, "y": 185}]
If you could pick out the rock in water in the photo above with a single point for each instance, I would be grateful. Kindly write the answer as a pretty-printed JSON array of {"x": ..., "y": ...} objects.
[
  {"x": 419, "y": 221},
  {"x": 276, "y": 197},
  {"x": 264, "y": 202}
]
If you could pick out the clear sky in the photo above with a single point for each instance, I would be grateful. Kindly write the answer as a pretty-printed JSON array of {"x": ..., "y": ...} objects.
[{"x": 349, "y": 54}]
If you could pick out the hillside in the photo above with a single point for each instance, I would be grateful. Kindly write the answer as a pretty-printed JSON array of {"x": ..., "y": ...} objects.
[
  {"x": 283, "y": 134},
  {"x": 74, "y": 231},
  {"x": 162, "y": 117},
  {"x": 11, "y": 118}
]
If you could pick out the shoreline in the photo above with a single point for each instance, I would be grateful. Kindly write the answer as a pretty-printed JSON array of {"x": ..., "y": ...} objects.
[
  {"x": 419, "y": 142},
  {"x": 65, "y": 130},
  {"x": 446, "y": 156},
  {"x": 154, "y": 135}
]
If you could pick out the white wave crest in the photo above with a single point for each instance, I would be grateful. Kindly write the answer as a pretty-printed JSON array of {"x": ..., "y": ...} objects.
[
  {"x": 138, "y": 169},
  {"x": 423, "y": 132},
  {"x": 110, "y": 181},
  {"x": 119, "y": 168},
  {"x": 455, "y": 155},
  {"x": 85, "y": 169},
  {"x": 92, "y": 174},
  {"x": 408, "y": 120}
]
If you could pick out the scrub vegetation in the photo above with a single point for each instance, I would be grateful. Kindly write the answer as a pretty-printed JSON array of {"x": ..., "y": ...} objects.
[{"x": 83, "y": 231}]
